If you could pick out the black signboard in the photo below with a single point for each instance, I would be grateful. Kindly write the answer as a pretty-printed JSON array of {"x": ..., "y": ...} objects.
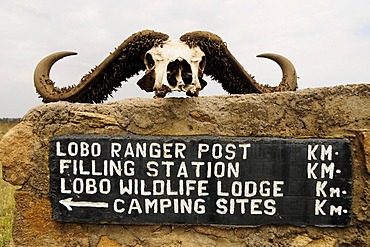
[{"x": 200, "y": 180}]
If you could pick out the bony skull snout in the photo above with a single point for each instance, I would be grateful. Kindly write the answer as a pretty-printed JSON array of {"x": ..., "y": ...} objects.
[
  {"x": 176, "y": 67},
  {"x": 179, "y": 74}
]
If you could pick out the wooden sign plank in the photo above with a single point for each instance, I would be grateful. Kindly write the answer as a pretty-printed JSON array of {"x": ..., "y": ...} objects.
[{"x": 200, "y": 180}]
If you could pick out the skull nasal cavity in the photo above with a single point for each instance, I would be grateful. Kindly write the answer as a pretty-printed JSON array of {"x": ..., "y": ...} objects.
[{"x": 179, "y": 69}]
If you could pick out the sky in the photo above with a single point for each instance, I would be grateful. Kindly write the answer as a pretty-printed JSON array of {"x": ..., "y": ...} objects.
[{"x": 327, "y": 41}]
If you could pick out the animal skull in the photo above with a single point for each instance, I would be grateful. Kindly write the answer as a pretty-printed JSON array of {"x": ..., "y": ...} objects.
[
  {"x": 170, "y": 65},
  {"x": 175, "y": 67}
]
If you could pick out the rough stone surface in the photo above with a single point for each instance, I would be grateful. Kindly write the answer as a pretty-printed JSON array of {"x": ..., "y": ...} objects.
[
  {"x": 365, "y": 141},
  {"x": 342, "y": 111}
]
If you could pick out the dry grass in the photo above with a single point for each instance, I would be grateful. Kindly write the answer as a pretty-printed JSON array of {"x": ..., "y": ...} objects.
[
  {"x": 4, "y": 127},
  {"x": 6, "y": 211},
  {"x": 6, "y": 196},
  {"x": 6, "y": 124}
]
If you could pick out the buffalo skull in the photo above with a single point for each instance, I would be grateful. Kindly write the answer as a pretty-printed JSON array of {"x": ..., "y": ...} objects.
[
  {"x": 169, "y": 64},
  {"x": 175, "y": 66}
]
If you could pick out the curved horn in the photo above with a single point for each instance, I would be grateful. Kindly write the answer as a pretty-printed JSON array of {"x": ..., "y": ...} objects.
[
  {"x": 123, "y": 63},
  {"x": 289, "y": 80},
  {"x": 223, "y": 67},
  {"x": 41, "y": 77}
]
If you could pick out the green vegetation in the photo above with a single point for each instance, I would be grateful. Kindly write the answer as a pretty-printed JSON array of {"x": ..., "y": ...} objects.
[{"x": 6, "y": 193}]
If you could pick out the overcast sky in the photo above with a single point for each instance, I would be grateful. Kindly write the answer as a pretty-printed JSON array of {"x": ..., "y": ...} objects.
[{"x": 327, "y": 41}]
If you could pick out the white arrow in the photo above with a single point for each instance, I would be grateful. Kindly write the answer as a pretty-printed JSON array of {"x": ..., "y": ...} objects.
[{"x": 68, "y": 203}]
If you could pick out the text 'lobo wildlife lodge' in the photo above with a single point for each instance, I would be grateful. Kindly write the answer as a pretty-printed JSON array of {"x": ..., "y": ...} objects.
[{"x": 200, "y": 180}]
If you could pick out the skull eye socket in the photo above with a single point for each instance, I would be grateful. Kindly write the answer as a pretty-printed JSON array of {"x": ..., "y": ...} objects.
[
  {"x": 149, "y": 61},
  {"x": 202, "y": 63}
]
